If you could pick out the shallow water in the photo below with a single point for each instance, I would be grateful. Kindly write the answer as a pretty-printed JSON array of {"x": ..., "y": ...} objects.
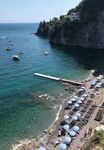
[{"x": 22, "y": 115}]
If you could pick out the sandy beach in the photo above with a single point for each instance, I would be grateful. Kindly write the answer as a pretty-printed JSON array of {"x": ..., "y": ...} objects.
[{"x": 50, "y": 135}]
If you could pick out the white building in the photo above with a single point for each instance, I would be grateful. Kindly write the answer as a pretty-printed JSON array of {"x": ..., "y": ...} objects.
[{"x": 74, "y": 16}]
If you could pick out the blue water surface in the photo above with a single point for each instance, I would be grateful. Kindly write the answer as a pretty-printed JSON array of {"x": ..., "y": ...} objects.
[{"x": 22, "y": 115}]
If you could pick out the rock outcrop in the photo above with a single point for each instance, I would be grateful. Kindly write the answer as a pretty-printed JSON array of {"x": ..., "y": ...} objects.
[{"x": 87, "y": 31}]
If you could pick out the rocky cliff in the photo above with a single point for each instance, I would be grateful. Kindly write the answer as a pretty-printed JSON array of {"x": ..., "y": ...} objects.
[{"x": 87, "y": 31}]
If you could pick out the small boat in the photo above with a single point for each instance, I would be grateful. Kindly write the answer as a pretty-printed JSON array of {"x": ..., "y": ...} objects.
[
  {"x": 15, "y": 57},
  {"x": 46, "y": 53},
  {"x": 20, "y": 52},
  {"x": 8, "y": 48}
]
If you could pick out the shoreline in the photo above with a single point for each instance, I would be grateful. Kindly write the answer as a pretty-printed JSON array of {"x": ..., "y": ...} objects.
[
  {"x": 47, "y": 133},
  {"x": 44, "y": 137}
]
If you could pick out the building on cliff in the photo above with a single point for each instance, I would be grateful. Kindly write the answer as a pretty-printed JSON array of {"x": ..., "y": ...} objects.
[{"x": 74, "y": 16}]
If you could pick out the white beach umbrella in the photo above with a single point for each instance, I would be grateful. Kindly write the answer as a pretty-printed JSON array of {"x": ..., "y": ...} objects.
[
  {"x": 77, "y": 114},
  {"x": 56, "y": 142},
  {"x": 72, "y": 133},
  {"x": 76, "y": 97},
  {"x": 76, "y": 105},
  {"x": 67, "y": 140},
  {"x": 66, "y": 117},
  {"x": 101, "y": 76},
  {"x": 75, "y": 118},
  {"x": 81, "y": 90},
  {"x": 79, "y": 102},
  {"x": 62, "y": 146},
  {"x": 66, "y": 127},
  {"x": 85, "y": 95},
  {"x": 83, "y": 87},
  {"x": 75, "y": 129},
  {"x": 42, "y": 148},
  {"x": 69, "y": 102},
  {"x": 73, "y": 99},
  {"x": 93, "y": 83},
  {"x": 98, "y": 85},
  {"x": 82, "y": 98}
]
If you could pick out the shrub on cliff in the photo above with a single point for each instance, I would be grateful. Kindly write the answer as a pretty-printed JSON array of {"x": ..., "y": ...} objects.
[
  {"x": 99, "y": 138},
  {"x": 43, "y": 29}
]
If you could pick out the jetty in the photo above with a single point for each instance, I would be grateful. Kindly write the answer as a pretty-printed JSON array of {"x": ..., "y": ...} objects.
[{"x": 58, "y": 79}]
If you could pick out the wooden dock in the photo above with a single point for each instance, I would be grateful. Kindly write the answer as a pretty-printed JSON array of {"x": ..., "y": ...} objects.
[
  {"x": 58, "y": 79},
  {"x": 71, "y": 81}
]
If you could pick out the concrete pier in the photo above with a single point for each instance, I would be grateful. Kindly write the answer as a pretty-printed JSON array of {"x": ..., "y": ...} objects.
[{"x": 58, "y": 79}]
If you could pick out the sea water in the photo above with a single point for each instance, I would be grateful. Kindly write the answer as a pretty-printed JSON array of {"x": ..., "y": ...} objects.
[{"x": 22, "y": 114}]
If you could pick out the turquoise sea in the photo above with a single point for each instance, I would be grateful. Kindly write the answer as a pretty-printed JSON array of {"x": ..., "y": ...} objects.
[{"x": 22, "y": 114}]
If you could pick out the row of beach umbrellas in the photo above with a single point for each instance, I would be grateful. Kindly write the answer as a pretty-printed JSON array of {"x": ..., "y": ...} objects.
[
  {"x": 98, "y": 79},
  {"x": 75, "y": 129},
  {"x": 68, "y": 139},
  {"x": 77, "y": 99},
  {"x": 75, "y": 117}
]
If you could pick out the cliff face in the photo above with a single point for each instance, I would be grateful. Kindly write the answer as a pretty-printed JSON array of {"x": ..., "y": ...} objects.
[{"x": 86, "y": 32}]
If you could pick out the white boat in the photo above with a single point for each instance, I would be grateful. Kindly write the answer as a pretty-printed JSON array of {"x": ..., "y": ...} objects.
[
  {"x": 8, "y": 48},
  {"x": 15, "y": 57},
  {"x": 46, "y": 53}
]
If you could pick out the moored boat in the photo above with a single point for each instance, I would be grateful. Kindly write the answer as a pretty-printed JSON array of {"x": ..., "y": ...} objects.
[
  {"x": 8, "y": 48},
  {"x": 46, "y": 53},
  {"x": 15, "y": 57}
]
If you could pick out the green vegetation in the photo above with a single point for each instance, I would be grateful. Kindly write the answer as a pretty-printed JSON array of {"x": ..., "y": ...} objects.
[
  {"x": 87, "y": 147},
  {"x": 53, "y": 28},
  {"x": 43, "y": 29},
  {"x": 97, "y": 140}
]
